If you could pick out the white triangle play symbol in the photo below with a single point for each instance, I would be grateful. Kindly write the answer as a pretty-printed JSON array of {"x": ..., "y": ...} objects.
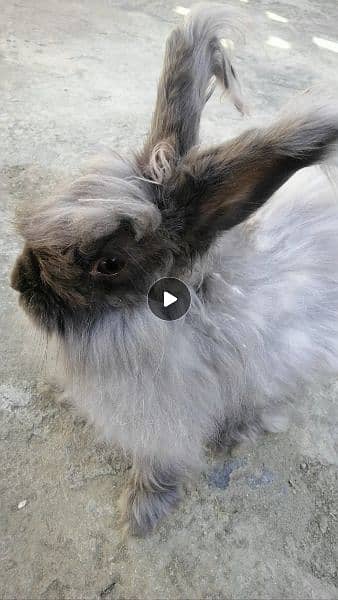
[{"x": 168, "y": 299}]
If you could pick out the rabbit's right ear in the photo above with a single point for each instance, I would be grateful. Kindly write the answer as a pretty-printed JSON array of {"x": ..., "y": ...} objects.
[
  {"x": 194, "y": 55},
  {"x": 219, "y": 187}
]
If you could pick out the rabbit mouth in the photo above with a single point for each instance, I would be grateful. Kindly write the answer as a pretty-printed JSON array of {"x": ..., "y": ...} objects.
[
  {"x": 36, "y": 299},
  {"x": 26, "y": 272},
  {"x": 44, "y": 312}
]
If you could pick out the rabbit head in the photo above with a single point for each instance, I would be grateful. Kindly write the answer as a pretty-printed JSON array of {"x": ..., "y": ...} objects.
[
  {"x": 92, "y": 247},
  {"x": 100, "y": 245}
]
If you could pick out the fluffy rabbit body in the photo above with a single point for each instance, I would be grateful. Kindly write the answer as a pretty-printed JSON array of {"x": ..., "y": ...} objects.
[{"x": 263, "y": 320}]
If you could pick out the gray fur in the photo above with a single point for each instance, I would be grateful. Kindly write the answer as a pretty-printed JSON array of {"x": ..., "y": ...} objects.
[
  {"x": 150, "y": 494},
  {"x": 265, "y": 327},
  {"x": 92, "y": 207},
  {"x": 263, "y": 321}
]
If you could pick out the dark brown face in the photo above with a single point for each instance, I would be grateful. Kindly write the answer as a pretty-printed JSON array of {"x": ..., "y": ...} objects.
[
  {"x": 62, "y": 288},
  {"x": 36, "y": 297}
]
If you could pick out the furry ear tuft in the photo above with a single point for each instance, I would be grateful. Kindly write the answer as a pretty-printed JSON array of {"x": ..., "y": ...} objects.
[
  {"x": 161, "y": 162},
  {"x": 213, "y": 22}
]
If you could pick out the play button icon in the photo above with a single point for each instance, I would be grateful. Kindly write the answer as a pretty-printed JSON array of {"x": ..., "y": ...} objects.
[{"x": 169, "y": 299}]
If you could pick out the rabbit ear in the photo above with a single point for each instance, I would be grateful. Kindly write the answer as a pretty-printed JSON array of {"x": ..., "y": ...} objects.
[
  {"x": 220, "y": 187},
  {"x": 194, "y": 55}
]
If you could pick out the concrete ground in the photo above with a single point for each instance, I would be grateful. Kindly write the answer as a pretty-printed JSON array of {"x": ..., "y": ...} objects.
[{"x": 261, "y": 523}]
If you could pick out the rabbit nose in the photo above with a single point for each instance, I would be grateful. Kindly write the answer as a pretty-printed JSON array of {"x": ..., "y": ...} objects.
[{"x": 25, "y": 272}]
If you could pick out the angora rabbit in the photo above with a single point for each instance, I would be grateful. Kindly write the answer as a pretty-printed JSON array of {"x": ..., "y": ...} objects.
[{"x": 263, "y": 319}]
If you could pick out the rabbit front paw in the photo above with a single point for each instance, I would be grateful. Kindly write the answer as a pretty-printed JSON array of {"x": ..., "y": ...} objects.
[{"x": 145, "y": 502}]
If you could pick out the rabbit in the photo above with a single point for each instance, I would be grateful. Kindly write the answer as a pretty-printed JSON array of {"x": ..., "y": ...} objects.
[{"x": 249, "y": 225}]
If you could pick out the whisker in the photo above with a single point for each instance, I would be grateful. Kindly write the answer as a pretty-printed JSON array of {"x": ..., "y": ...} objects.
[{"x": 137, "y": 262}]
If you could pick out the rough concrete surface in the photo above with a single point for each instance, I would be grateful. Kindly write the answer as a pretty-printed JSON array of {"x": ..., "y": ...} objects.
[{"x": 261, "y": 523}]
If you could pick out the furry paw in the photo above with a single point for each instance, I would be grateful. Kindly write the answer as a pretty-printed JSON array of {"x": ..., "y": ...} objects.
[{"x": 142, "y": 509}]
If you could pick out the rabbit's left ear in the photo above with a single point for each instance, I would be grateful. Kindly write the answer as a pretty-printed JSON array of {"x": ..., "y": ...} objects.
[
  {"x": 195, "y": 56},
  {"x": 218, "y": 188}
]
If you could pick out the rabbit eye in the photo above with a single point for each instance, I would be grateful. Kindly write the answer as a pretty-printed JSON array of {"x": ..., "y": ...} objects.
[{"x": 109, "y": 266}]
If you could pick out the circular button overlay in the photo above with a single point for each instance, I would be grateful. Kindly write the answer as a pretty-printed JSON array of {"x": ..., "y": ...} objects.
[{"x": 169, "y": 299}]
